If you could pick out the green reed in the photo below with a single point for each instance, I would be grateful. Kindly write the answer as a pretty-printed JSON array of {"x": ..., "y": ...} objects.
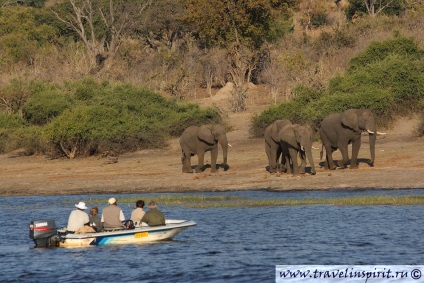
[{"x": 197, "y": 201}]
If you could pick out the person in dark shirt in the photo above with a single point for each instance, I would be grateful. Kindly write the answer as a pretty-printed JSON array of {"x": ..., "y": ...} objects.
[
  {"x": 95, "y": 220},
  {"x": 153, "y": 217}
]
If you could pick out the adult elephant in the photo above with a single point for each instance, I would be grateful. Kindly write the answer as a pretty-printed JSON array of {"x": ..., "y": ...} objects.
[
  {"x": 272, "y": 144},
  {"x": 198, "y": 140},
  {"x": 337, "y": 131},
  {"x": 297, "y": 140}
]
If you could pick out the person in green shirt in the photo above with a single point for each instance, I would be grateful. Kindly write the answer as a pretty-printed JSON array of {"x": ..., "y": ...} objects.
[{"x": 153, "y": 217}]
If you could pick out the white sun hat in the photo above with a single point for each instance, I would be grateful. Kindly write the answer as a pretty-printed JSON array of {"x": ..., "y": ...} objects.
[{"x": 81, "y": 205}]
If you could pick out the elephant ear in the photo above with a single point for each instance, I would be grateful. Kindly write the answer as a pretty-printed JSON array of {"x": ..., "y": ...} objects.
[
  {"x": 288, "y": 135},
  {"x": 350, "y": 119},
  {"x": 204, "y": 133}
]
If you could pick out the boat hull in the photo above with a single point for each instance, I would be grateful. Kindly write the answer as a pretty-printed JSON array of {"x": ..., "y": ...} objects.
[{"x": 134, "y": 236}]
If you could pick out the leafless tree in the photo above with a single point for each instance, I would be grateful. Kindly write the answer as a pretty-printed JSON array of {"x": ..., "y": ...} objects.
[{"x": 116, "y": 16}]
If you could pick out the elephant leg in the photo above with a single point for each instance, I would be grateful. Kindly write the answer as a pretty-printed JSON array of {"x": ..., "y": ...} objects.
[
  {"x": 286, "y": 160},
  {"x": 268, "y": 154},
  {"x": 200, "y": 163},
  {"x": 293, "y": 156},
  {"x": 329, "y": 163},
  {"x": 356, "y": 145},
  {"x": 273, "y": 160},
  {"x": 279, "y": 160},
  {"x": 303, "y": 162},
  {"x": 186, "y": 161},
  {"x": 345, "y": 155},
  {"x": 214, "y": 157}
]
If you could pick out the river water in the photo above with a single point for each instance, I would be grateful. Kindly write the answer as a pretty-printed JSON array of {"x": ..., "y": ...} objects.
[{"x": 228, "y": 244}]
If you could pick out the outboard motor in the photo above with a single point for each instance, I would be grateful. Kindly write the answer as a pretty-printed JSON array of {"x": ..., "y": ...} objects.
[{"x": 44, "y": 233}]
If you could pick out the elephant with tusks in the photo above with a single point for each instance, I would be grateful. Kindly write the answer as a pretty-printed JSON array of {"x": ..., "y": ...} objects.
[
  {"x": 198, "y": 140},
  {"x": 338, "y": 130}
]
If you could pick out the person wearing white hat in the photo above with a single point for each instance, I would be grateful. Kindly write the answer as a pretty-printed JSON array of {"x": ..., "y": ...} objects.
[
  {"x": 112, "y": 216},
  {"x": 78, "y": 218}
]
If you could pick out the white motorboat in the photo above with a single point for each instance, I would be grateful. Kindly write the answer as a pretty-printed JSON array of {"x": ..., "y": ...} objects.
[{"x": 45, "y": 234}]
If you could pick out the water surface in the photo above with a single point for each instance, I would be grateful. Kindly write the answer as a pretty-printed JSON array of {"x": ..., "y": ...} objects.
[{"x": 228, "y": 244}]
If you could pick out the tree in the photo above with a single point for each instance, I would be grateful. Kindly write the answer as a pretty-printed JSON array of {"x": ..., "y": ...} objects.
[
  {"x": 24, "y": 35},
  {"x": 375, "y": 7},
  {"x": 242, "y": 28},
  {"x": 163, "y": 25},
  {"x": 101, "y": 24}
]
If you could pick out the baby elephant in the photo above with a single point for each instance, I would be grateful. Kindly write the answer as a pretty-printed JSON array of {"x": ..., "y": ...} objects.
[
  {"x": 198, "y": 140},
  {"x": 297, "y": 139}
]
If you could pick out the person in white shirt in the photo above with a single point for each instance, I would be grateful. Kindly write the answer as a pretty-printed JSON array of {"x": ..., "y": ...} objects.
[
  {"x": 78, "y": 218},
  {"x": 138, "y": 213}
]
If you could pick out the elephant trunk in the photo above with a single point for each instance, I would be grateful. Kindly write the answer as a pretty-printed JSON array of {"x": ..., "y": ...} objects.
[{"x": 372, "y": 132}]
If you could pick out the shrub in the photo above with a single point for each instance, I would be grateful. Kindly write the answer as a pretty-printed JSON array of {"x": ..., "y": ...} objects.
[
  {"x": 11, "y": 121},
  {"x": 43, "y": 106},
  {"x": 120, "y": 118},
  {"x": 31, "y": 139},
  {"x": 378, "y": 51}
]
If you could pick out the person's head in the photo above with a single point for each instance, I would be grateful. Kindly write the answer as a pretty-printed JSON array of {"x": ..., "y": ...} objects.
[
  {"x": 152, "y": 204},
  {"x": 112, "y": 201},
  {"x": 94, "y": 211},
  {"x": 81, "y": 205},
  {"x": 139, "y": 203}
]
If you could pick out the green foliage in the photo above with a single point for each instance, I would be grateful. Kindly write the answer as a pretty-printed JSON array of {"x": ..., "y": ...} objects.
[
  {"x": 11, "y": 121},
  {"x": 46, "y": 104},
  {"x": 378, "y": 51},
  {"x": 23, "y": 34},
  {"x": 30, "y": 138},
  {"x": 222, "y": 23}
]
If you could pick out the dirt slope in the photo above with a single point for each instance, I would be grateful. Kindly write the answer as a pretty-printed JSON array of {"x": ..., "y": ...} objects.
[{"x": 399, "y": 164}]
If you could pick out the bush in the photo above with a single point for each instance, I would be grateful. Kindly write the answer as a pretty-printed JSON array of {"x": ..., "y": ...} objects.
[
  {"x": 31, "y": 139},
  {"x": 378, "y": 51},
  {"x": 11, "y": 121},
  {"x": 43, "y": 106},
  {"x": 120, "y": 118}
]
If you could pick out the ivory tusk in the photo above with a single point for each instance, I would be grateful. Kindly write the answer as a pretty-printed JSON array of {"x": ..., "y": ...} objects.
[
  {"x": 313, "y": 147},
  {"x": 370, "y": 132},
  {"x": 378, "y": 133},
  {"x": 302, "y": 148},
  {"x": 230, "y": 145}
]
